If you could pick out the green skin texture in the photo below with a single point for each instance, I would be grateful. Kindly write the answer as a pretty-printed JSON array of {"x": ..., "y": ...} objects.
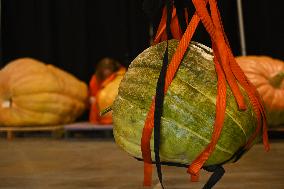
[{"x": 189, "y": 108}]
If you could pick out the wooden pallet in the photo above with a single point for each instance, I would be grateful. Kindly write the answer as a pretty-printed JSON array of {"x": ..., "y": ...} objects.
[
  {"x": 86, "y": 127},
  {"x": 57, "y": 131}
]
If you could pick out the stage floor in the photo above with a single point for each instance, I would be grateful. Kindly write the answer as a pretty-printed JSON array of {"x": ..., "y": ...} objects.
[{"x": 57, "y": 164}]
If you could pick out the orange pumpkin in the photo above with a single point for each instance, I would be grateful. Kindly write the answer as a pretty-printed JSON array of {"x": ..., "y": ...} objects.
[
  {"x": 33, "y": 93},
  {"x": 267, "y": 75},
  {"x": 102, "y": 96}
]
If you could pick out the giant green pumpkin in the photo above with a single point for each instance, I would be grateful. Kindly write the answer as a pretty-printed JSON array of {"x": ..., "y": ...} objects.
[{"x": 189, "y": 108}]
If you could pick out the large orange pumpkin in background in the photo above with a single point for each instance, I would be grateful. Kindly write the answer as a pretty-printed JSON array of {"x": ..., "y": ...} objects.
[
  {"x": 34, "y": 93},
  {"x": 267, "y": 74}
]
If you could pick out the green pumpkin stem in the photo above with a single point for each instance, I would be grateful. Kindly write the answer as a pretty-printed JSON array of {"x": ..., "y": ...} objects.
[
  {"x": 277, "y": 80},
  {"x": 103, "y": 112}
]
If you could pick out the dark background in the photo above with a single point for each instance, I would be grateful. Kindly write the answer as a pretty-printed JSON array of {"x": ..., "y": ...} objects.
[{"x": 75, "y": 34}]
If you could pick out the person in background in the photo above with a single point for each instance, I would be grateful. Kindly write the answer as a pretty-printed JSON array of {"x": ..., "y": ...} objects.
[{"x": 103, "y": 89}]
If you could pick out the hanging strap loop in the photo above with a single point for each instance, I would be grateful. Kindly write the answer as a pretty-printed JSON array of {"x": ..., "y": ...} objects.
[
  {"x": 218, "y": 172},
  {"x": 197, "y": 164},
  {"x": 226, "y": 69}
]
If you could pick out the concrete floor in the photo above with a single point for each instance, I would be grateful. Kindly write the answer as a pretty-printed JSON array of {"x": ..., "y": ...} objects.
[{"x": 46, "y": 163}]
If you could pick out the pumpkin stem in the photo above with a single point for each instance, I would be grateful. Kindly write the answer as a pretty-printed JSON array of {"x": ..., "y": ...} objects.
[
  {"x": 276, "y": 80},
  {"x": 103, "y": 112},
  {"x": 7, "y": 103}
]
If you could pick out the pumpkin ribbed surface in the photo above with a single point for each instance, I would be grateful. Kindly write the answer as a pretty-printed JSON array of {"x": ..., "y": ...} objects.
[
  {"x": 33, "y": 93},
  {"x": 189, "y": 107},
  {"x": 107, "y": 95},
  {"x": 267, "y": 75}
]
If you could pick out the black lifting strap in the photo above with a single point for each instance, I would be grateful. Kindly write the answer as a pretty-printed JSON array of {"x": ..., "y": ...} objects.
[
  {"x": 180, "y": 7},
  {"x": 159, "y": 100},
  {"x": 218, "y": 172}
]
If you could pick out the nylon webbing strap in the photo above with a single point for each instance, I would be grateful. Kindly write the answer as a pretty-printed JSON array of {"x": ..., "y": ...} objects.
[
  {"x": 158, "y": 114},
  {"x": 159, "y": 100},
  {"x": 218, "y": 172}
]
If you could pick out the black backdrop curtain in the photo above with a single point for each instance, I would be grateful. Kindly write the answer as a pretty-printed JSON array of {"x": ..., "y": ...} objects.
[
  {"x": 264, "y": 27},
  {"x": 75, "y": 34}
]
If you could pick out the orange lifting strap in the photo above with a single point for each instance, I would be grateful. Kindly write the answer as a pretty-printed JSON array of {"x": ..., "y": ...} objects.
[
  {"x": 175, "y": 27},
  {"x": 227, "y": 70}
]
